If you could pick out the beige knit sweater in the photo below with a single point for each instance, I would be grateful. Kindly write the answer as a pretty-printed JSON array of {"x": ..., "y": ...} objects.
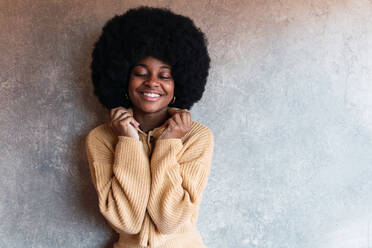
[{"x": 149, "y": 190}]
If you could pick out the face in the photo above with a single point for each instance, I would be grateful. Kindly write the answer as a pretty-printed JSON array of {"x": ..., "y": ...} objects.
[{"x": 151, "y": 85}]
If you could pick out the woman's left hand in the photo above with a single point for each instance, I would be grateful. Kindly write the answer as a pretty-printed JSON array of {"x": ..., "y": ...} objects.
[{"x": 177, "y": 125}]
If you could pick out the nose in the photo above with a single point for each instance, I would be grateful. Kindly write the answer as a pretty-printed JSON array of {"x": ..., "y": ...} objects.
[{"x": 152, "y": 81}]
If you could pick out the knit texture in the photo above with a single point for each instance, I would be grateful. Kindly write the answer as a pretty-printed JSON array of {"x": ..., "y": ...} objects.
[{"x": 149, "y": 190}]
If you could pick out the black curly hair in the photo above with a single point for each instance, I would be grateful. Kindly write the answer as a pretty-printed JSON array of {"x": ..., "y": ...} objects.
[{"x": 143, "y": 32}]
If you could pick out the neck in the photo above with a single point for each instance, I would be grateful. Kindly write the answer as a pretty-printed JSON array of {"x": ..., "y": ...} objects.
[{"x": 149, "y": 121}]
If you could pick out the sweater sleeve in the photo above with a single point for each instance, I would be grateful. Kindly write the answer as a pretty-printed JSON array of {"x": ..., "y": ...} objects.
[
  {"x": 122, "y": 181},
  {"x": 177, "y": 183}
]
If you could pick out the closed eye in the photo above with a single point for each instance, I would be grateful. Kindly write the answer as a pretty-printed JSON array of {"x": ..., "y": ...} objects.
[{"x": 140, "y": 75}]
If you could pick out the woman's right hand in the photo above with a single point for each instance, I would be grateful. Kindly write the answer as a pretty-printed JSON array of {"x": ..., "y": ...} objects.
[{"x": 123, "y": 123}]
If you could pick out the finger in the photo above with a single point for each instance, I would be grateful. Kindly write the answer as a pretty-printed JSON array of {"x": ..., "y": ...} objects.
[
  {"x": 186, "y": 119},
  {"x": 116, "y": 111},
  {"x": 117, "y": 121},
  {"x": 171, "y": 123},
  {"x": 126, "y": 116},
  {"x": 189, "y": 119},
  {"x": 120, "y": 112},
  {"x": 177, "y": 119},
  {"x": 117, "y": 108},
  {"x": 112, "y": 113},
  {"x": 134, "y": 122},
  {"x": 120, "y": 115},
  {"x": 173, "y": 110},
  {"x": 166, "y": 123},
  {"x": 130, "y": 120},
  {"x": 184, "y": 116},
  {"x": 127, "y": 120}
]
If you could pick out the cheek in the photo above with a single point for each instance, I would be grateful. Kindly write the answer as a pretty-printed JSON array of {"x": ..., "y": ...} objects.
[
  {"x": 170, "y": 87},
  {"x": 132, "y": 84}
]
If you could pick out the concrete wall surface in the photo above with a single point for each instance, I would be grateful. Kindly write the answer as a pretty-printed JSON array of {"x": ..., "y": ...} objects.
[{"x": 289, "y": 100}]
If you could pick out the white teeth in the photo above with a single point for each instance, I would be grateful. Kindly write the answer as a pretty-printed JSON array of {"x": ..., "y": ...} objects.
[{"x": 151, "y": 94}]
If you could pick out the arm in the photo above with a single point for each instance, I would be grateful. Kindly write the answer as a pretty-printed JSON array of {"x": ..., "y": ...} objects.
[
  {"x": 177, "y": 185},
  {"x": 122, "y": 181}
]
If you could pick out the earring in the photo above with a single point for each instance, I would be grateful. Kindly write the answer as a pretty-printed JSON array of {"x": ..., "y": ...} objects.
[
  {"x": 174, "y": 98},
  {"x": 126, "y": 96}
]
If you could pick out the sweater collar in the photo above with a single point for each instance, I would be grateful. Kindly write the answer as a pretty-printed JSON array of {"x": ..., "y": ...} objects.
[{"x": 157, "y": 131}]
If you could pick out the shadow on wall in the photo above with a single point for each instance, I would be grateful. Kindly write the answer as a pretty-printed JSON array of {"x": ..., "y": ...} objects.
[{"x": 87, "y": 202}]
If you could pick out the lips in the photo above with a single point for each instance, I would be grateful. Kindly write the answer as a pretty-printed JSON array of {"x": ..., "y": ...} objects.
[
  {"x": 152, "y": 92},
  {"x": 150, "y": 98}
]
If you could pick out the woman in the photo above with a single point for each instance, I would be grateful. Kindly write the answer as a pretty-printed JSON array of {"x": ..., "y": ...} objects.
[{"x": 150, "y": 163}]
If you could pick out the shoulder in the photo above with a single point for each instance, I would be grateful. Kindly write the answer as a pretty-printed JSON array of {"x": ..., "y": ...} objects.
[
  {"x": 197, "y": 127},
  {"x": 199, "y": 132},
  {"x": 101, "y": 134},
  {"x": 98, "y": 131},
  {"x": 197, "y": 144}
]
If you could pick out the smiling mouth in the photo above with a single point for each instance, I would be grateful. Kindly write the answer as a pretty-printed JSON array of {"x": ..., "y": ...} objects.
[{"x": 151, "y": 96}]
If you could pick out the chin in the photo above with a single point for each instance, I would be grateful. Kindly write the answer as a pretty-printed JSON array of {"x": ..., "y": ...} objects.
[{"x": 151, "y": 108}]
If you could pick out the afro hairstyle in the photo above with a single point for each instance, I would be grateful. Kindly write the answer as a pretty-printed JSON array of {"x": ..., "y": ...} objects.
[{"x": 143, "y": 32}]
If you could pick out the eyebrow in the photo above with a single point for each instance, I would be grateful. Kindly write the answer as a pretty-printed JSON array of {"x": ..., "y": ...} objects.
[{"x": 163, "y": 66}]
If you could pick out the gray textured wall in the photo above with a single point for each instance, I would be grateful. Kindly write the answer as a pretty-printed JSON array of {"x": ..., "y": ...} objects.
[{"x": 289, "y": 100}]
